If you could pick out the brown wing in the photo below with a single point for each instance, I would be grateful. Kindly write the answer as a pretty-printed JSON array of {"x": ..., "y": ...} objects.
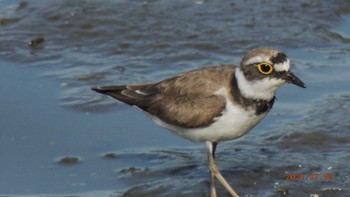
[
  {"x": 187, "y": 100},
  {"x": 188, "y": 113},
  {"x": 203, "y": 82}
]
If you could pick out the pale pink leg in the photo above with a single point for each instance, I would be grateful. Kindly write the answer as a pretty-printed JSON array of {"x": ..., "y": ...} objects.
[{"x": 215, "y": 172}]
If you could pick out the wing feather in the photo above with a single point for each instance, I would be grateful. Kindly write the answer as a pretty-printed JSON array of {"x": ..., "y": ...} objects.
[{"x": 188, "y": 100}]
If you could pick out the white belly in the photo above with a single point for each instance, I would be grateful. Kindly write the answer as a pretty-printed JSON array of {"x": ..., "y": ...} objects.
[{"x": 233, "y": 123}]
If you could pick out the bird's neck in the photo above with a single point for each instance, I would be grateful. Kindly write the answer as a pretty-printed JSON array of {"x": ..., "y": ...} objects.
[
  {"x": 260, "y": 102},
  {"x": 263, "y": 89}
]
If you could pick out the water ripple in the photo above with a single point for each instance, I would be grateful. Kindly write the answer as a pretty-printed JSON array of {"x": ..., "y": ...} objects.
[{"x": 85, "y": 40}]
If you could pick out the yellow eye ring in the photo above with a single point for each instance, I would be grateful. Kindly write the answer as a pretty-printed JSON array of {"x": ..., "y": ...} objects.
[{"x": 265, "y": 68}]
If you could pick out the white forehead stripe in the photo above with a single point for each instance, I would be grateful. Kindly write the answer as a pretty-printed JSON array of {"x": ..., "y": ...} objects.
[
  {"x": 284, "y": 66},
  {"x": 257, "y": 59}
]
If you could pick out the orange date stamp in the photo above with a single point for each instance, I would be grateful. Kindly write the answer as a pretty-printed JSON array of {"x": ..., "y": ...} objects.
[{"x": 309, "y": 177}]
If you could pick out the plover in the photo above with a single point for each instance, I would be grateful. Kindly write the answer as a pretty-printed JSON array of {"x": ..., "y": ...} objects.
[{"x": 212, "y": 104}]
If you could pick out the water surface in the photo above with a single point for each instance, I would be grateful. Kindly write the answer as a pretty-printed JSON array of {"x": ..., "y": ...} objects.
[{"x": 49, "y": 115}]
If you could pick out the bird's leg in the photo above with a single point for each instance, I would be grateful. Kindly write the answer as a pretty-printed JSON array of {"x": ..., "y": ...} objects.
[
  {"x": 211, "y": 153},
  {"x": 215, "y": 172}
]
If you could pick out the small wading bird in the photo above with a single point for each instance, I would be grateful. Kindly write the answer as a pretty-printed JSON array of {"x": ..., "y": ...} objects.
[{"x": 212, "y": 104}]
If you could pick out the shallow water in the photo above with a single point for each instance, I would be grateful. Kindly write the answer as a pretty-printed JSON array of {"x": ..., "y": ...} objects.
[{"x": 49, "y": 112}]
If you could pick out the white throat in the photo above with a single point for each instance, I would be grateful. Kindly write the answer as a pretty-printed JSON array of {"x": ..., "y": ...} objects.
[{"x": 258, "y": 89}]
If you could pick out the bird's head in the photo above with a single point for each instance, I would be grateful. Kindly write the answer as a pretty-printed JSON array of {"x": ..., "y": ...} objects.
[{"x": 262, "y": 71}]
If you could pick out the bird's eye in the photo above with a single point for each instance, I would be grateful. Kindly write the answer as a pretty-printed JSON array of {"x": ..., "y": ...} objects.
[{"x": 265, "y": 68}]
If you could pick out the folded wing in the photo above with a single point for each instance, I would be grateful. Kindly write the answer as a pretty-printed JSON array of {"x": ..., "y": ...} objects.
[{"x": 188, "y": 100}]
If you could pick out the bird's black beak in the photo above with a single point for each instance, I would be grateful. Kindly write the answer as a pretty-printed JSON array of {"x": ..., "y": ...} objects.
[{"x": 291, "y": 78}]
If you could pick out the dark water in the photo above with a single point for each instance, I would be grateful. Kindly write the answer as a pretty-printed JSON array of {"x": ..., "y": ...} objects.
[{"x": 58, "y": 138}]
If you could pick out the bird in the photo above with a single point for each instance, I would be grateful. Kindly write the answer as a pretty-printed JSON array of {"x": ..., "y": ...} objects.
[{"x": 213, "y": 104}]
